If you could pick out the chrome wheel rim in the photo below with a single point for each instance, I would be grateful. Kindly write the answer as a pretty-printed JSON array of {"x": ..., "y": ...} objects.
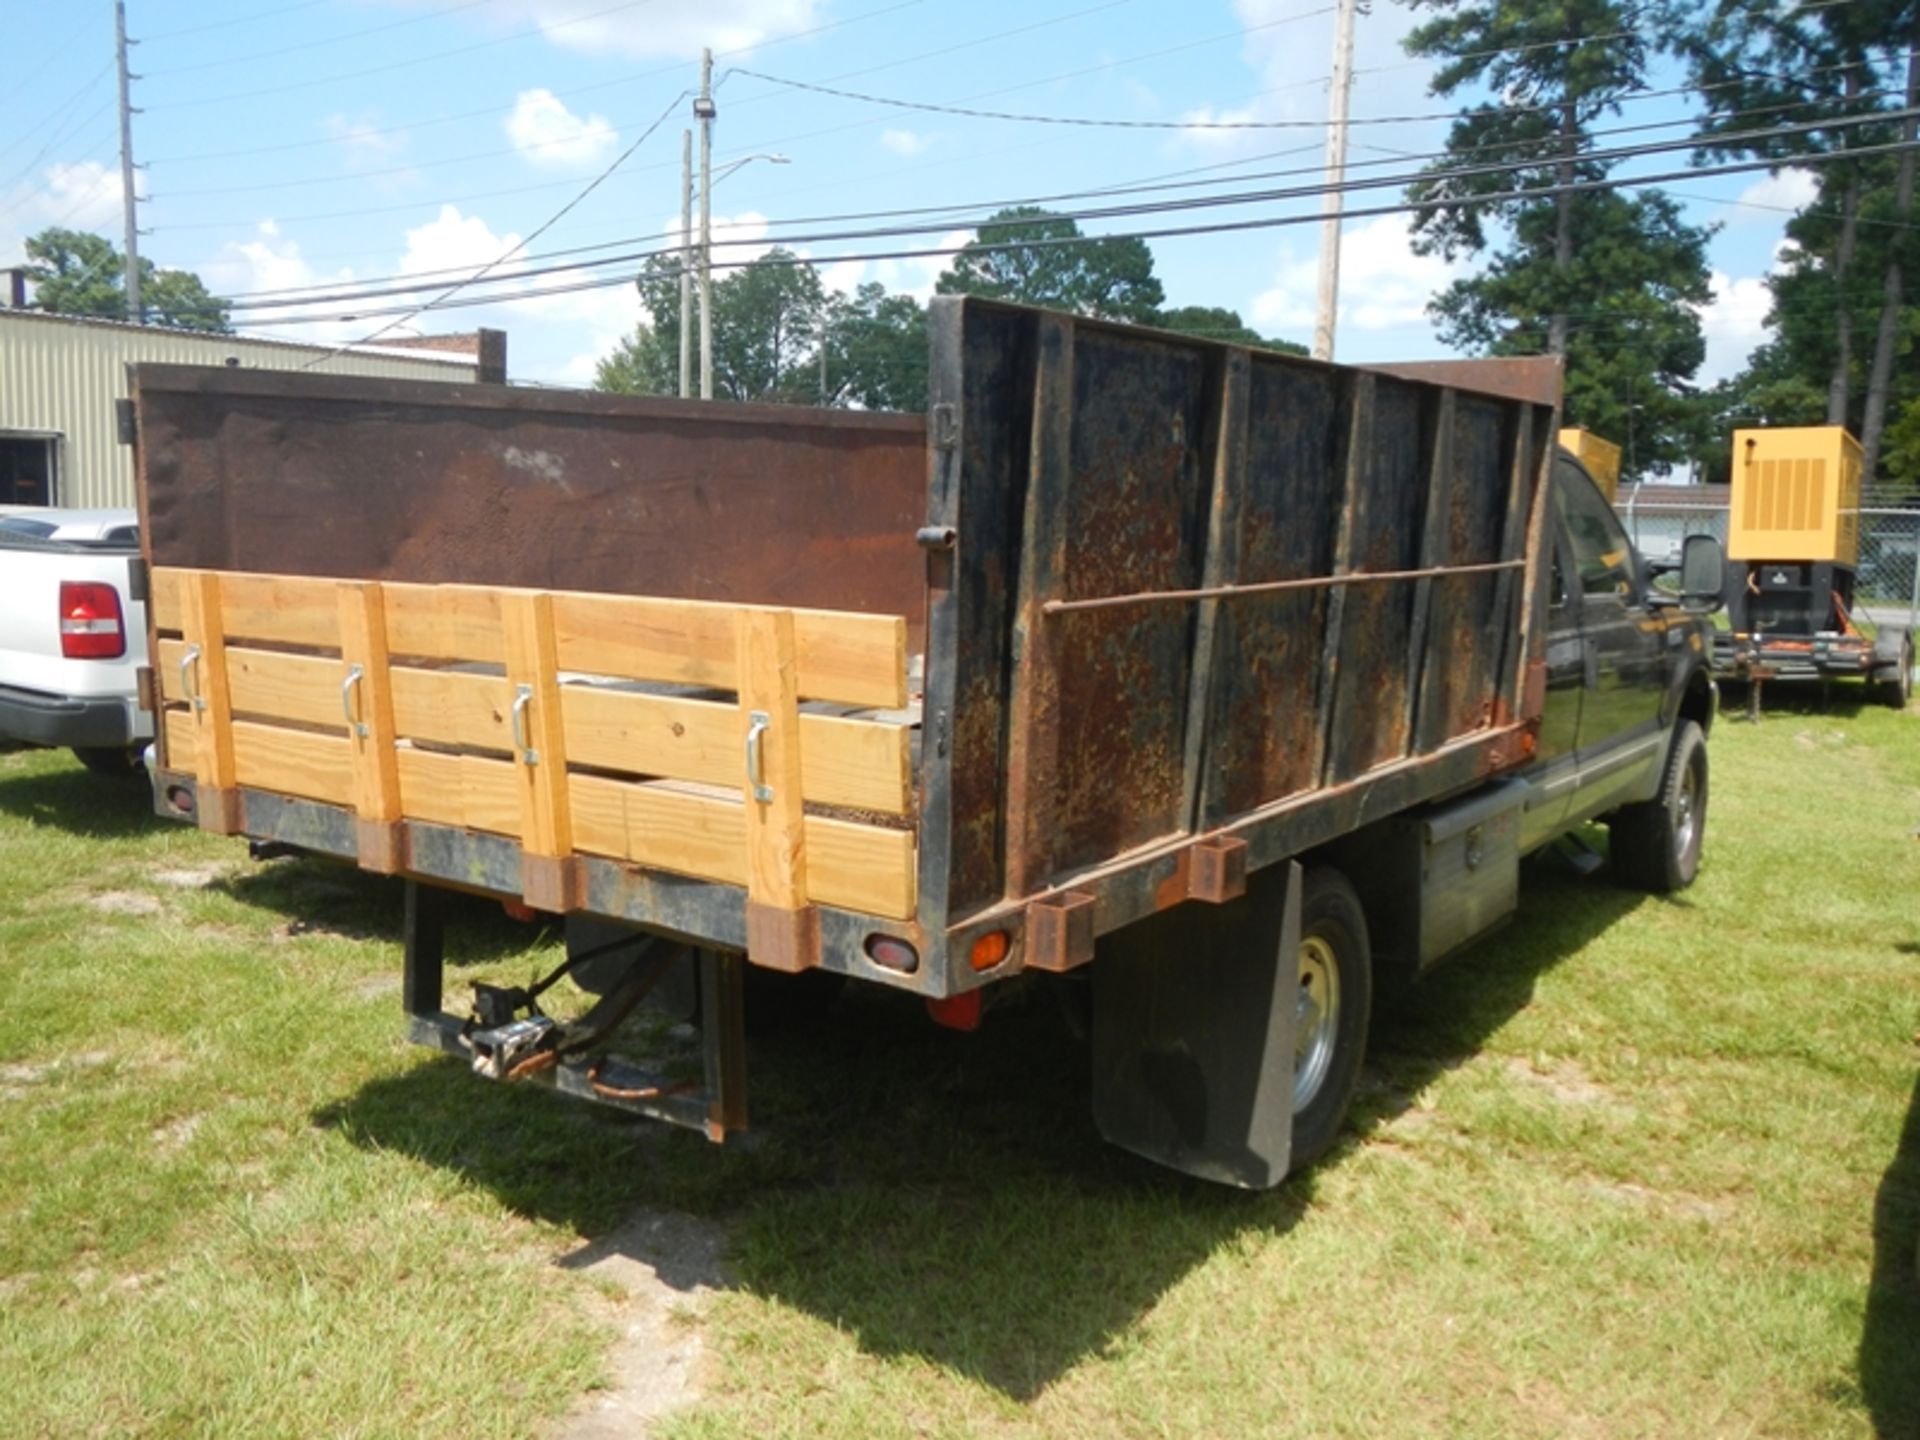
[
  {"x": 1686, "y": 811},
  {"x": 1316, "y": 1021}
]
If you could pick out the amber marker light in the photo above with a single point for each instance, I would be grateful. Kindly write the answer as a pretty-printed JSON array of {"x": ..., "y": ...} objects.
[{"x": 989, "y": 949}]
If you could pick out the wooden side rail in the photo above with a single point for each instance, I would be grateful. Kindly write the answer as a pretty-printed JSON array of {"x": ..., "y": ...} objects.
[{"x": 525, "y": 713}]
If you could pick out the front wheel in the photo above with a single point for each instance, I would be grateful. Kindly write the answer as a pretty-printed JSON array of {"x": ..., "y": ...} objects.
[
  {"x": 1335, "y": 998},
  {"x": 1656, "y": 844}
]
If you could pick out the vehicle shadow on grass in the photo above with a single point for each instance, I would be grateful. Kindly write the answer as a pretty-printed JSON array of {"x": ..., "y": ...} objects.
[
  {"x": 317, "y": 895},
  {"x": 1890, "y": 1338},
  {"x": 1844, "y": 699},
  {"x": 941, "y": 1197},
  {"x": 96, "y": 807}
]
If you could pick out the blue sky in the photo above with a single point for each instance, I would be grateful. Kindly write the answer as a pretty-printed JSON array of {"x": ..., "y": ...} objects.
[{"x": 296, "y": 143}]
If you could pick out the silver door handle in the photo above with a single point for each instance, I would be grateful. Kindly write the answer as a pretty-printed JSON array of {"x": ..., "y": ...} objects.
[
  {"x": 522, "y": 698},
  {"x": 758, "y": 724},
  {"x": 354, "y": 724},
  {"x": 187, "y": 663}
]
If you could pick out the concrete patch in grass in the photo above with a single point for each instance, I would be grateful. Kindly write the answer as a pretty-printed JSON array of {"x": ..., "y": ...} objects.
[{"x": 662, "y": 1267}]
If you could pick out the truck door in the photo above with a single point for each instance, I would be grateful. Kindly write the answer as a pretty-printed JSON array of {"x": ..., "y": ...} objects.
[
  {"x": 1556, "y": 768},
  {"x": 1622, "y": 644}
]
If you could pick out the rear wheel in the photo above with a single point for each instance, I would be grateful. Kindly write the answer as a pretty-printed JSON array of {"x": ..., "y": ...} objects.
[
  {"x": 1335, "y": 998},
  {"x": 114, "y": 761},
  {"x": 1895, "y": 681},
  {"x": 1656, "y": 844}
]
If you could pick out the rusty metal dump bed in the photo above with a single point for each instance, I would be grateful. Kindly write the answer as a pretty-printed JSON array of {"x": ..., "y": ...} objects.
[{"x": 1174, "y": 609}]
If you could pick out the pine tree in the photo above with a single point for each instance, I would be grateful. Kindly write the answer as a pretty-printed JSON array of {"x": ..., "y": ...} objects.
[{"x": 1610, "y": 281}]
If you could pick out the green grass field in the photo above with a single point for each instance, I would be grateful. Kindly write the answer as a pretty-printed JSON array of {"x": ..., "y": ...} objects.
[{"x": 1633, "y": 1167}]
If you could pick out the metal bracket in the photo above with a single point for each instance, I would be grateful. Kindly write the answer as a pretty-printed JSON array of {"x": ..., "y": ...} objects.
[
  {"x": 355, "y": 674},
  {"x": 522, "y": 698},
  {"x": 758, "y": 723}
]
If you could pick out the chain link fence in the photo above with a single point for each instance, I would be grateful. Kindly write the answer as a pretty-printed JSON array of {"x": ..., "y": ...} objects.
[{"x": 1886, "y": 583}]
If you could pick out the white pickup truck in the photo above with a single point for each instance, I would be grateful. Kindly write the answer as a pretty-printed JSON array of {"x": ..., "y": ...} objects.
[{"x": 72, "y": 637}]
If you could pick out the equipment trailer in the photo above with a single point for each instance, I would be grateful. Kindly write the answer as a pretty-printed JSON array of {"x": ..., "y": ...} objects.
[
  {"x": 1793, "y": 549},
  {"x": 1249, "y": 676}
]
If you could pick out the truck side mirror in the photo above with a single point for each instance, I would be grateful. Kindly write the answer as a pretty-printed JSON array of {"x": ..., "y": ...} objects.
[{"x": 1703, "y": 569}]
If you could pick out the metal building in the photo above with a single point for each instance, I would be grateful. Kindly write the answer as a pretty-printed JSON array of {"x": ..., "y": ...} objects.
[{"x": 61, "y": 374}]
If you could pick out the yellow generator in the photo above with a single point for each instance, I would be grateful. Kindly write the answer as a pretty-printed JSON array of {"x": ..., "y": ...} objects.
[
  {"x": 1793, "y": 543},
  {"x": 1601, "y": 457}
]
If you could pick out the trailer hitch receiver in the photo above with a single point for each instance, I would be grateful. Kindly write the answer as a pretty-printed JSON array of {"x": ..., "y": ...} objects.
[{"x": 496, "y": 1052}]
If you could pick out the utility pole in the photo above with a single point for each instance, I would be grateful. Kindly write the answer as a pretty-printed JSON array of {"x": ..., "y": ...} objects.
[
  {"x": 686, "y": 263},
  {"x": 1331, "y": 204},
  {"x": 704, "y": 111},
  {"x": 127, "y": 201}
]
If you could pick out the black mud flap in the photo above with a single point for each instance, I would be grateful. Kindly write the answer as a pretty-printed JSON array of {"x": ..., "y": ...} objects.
[{"x": 1193, "y": 1012}]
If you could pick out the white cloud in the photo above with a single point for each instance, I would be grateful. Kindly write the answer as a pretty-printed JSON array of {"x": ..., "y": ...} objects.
[
  {"x": 1383, "y": 284},
  {"x": 1287, "y": 49},
  {"x": 271, "y": 261},
  {"x": 1734, "y": 324},
  {"x": 1790, "y": 189},
  {"x": 673, "y": 28},
  {"x": 913, "y": 277},
  {"x": 363, "y": 139},
  {"x": 81, "y": 196},
  {"x": 545, "y": 132},
  {"x": 905, "y": 142}
]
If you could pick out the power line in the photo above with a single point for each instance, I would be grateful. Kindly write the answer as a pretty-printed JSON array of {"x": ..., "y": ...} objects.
[
  {"x": 237, "y": 20},
  {"x": 1266, "y": 196},
  {"x": 521, "y": 149},
  {"x": 1595, "y": 185},
  {"x": 963, "y": 212},
  {"x": 623, "y": 82},
  {"x": 928, "y": 55},
  {"x": 60, "y": 137},
  {"x": 1106, "y": 123},
  {"x": 508, "y": 254},
  {"x": 316, "y": 81},
  {"x": 278, "y": 50},
  {"x": 54, "y": 116}
]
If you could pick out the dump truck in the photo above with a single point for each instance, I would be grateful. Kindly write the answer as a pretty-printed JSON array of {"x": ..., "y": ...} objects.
[
  {"x": 1223, "y": 687},
  {"x": 1793, "y": 554}
]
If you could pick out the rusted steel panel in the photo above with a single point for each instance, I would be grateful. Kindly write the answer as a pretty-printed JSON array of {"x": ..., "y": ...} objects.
[
  {"x": 1267, "y": 666},
  {"x": 1464, "y": 639},
  {"x": 1367, "y": 725},
  {"x": 387, "y": 479},
  {"x": 1164, "y": 476},
  {"x": 1131, "y": 516},
  {"x": 1535, "y": 379},
  {"x": 982, "y": 388}
]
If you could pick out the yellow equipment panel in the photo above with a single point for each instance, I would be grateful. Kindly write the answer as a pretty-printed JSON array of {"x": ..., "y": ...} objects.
[
  {"x": 1601, "y": 457},
  {"x": 1796, "y": 495}
]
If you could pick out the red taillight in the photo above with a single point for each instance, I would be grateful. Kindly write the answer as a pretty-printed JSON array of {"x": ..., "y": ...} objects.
[{"x": 90, "y": 623}]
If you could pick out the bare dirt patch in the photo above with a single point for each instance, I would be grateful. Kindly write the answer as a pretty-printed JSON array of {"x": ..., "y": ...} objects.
[
  {"x": 1565, "y": 1081},
  {"x": 176, "y": 1133},
  {"x": 664, "y": 1267},
  {"x": 197, "y": 877},
  {"x": 125, "y": 902},
  {"x": 32, "y": 1072}
]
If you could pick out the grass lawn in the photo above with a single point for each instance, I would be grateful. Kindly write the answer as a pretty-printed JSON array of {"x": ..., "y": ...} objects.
[{"x": 1632, "y": 1168}]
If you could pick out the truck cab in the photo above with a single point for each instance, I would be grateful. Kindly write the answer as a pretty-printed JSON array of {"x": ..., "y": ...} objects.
[{"x": 1627, "y": 664}]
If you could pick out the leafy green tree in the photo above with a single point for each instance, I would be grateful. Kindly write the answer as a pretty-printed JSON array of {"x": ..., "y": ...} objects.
[
  {"x": 1212, "y": 322},
  {"x": 1039, "y": 258},
  {"x": 1759, "y": 68},
  {"x": 1818, "y": 312},
  {"x": 876, "y": 351},
  {"x": 1605, "y": 280},
  {"x": 766, "y": 325},
  {"x": 75, "y": 272}
]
